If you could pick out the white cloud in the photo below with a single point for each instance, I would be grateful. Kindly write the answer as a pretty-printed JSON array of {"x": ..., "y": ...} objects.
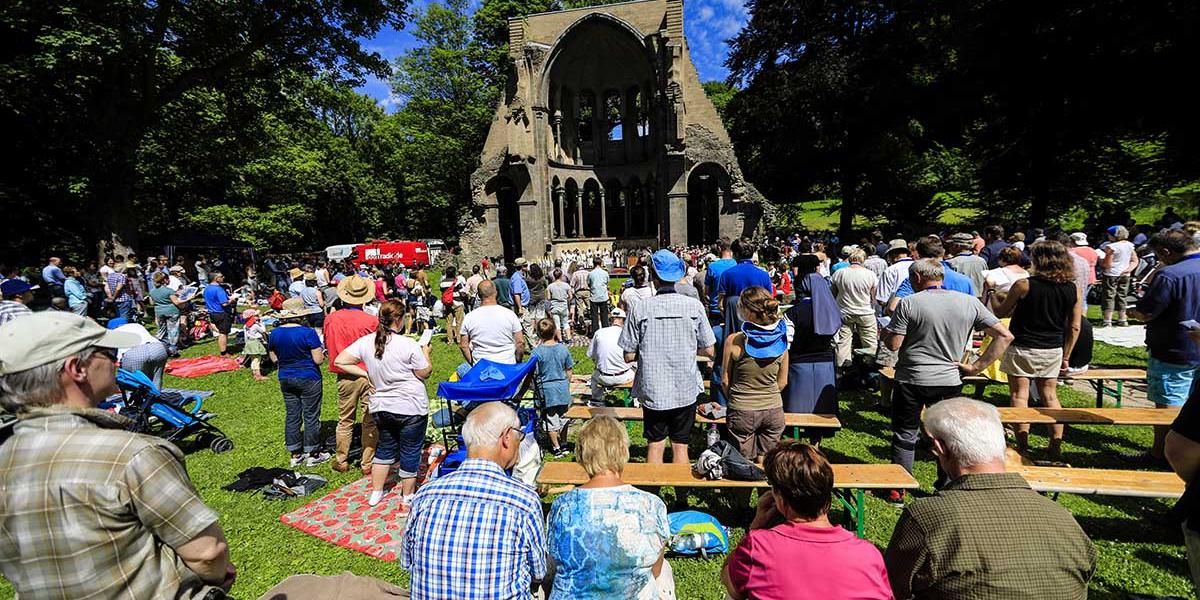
[{"x": 705, "y": 13}]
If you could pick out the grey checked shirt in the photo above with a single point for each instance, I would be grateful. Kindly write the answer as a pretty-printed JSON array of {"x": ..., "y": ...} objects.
[{"x": 665, "y": 331}]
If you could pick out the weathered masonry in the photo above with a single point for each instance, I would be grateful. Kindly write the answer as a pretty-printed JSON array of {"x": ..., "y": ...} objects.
[{"x": 605, "y": 138}]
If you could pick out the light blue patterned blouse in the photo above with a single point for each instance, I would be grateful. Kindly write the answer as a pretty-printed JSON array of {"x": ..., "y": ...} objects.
[{"x": 605, "y": 542}]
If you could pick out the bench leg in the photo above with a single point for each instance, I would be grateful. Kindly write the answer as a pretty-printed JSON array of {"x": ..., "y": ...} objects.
[
  {"x": 979, "y": 388},
  {"x": 1120, "y": 390},
  {"x": 1099, "y": 387},
  {"x": 854, "y": 503}
]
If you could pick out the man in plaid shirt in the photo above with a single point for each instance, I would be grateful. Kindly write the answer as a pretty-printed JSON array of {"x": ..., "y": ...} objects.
[
  {"x": 88, "y": 509},
  {"x": 986, "y": 535},
  {"x": 476, "y": 534}
]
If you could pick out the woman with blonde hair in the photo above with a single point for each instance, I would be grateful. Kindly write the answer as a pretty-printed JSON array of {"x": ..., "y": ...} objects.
[
  {"x": 606, "y": 538},
  {"x": 397, "y": 367},
  {"x": 1046, "y": 310},
  {"x": 754, "y": 373}
]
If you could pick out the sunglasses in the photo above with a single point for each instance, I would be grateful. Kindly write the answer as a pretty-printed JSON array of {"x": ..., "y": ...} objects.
[{"x": 108, "y": 353}]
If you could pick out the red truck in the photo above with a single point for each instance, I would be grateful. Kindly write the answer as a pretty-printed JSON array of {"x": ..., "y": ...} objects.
[{"x": 382, "y": 252}]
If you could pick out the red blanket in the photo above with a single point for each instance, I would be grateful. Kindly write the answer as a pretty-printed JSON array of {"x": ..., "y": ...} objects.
[{"x": 199, "y": 367}]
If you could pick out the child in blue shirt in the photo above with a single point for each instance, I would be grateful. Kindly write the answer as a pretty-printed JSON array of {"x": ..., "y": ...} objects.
[{"x": 553, "y": 372}]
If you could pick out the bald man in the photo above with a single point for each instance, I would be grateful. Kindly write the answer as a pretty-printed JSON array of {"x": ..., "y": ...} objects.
[{"x": 491, "y": 331}]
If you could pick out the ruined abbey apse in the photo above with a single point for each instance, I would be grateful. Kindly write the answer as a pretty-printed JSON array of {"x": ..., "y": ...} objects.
[{"x": 605, "y": 139}]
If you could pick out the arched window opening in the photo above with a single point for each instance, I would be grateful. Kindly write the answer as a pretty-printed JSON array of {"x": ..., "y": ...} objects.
[
  {"x": 587, "y": 114},
  {"x": 612, "y": 115}
]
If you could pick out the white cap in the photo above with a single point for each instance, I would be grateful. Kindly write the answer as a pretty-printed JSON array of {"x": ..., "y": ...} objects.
[
  {"x": 1080, "y": 238},
  {"x": 44, "y": 337}
]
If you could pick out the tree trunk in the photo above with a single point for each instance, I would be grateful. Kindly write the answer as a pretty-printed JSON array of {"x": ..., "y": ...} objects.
[
  {"x": 849, "y": 190},
  {"x": 113, "y": 184}
]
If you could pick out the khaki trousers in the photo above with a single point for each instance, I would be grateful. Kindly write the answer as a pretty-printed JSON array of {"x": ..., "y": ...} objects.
[
  {"x": 454, "y": 319},
  {"x": 352, "y": 397},
  {"x": 862, "y": 325}
]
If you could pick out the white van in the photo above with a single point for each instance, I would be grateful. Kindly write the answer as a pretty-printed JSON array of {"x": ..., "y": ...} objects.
[{"x": 341, "y": 251}]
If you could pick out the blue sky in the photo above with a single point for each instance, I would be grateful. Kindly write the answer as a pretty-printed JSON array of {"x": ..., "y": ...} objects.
[{"x": 707, "y": 23}]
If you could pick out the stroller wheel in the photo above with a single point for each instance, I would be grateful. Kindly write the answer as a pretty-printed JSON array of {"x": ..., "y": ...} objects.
[{"x": 221, "y": 444}]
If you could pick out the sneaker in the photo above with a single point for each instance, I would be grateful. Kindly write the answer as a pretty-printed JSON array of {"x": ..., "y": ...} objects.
[
  {"x": 895, "y": 498},
  {"x": 559, "y": 452},
  {"x": 1122, "y": 323},
  {"x": 317, "y": 458},
  {"x": 376, "y": 497},
  {"x": 296, "y": 460},
  {"x": 1104, "y": 324}
]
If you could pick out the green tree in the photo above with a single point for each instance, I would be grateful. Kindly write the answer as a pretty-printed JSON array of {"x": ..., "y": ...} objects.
[
  {"x": 719, "y": 93},
  {"x": 447, "y": 107},
  {"x": 85, "y": 82}
]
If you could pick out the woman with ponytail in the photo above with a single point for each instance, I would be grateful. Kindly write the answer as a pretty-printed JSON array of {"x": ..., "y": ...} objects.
[
  {"x": 397, "y": 367},
  {"x": 754, "y": 368}
]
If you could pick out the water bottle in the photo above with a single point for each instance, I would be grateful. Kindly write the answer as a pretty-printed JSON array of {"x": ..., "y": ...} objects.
[{"x": 690, "y": 542}]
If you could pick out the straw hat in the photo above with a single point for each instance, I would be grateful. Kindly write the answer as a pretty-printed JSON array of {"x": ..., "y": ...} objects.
[
  {"x": 294, "y": 273},
  {"x": 356, "y": 290},
  {"x": 294, "y": 308}
]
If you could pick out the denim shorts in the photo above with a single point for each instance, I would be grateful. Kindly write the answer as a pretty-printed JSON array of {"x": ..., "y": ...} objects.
[
  {"x": 1168, "y": 384},
  {"x": 401, "y": 440}
]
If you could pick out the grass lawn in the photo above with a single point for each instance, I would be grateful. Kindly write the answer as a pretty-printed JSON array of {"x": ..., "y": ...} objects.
[{"x": 1140, "y": 551}]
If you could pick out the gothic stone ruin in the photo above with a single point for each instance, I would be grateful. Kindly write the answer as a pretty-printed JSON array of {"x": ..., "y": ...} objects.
[{"x": 605, "y": 139}]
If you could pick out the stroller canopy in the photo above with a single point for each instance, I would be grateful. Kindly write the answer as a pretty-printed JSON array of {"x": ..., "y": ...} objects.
[{"x": 487, "y": 381}]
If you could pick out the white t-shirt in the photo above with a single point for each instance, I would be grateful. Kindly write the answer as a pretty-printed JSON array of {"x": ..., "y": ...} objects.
[
  {"x": 397, "y": 389},
  {"x": 137, "y": 329},
  {"x": 1122, "y": 253},
  {"x": 606, "y": 353},
  {"x": 493, "y": 333},
  {"x": 854, "y": 287},
  {"x": 322, "y": 277},
  {"x": 634, "y": 295},
  {"x": 174, "y": 283}
]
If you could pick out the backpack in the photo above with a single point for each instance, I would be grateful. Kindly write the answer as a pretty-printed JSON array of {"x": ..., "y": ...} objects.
[
  {"x": 448, "y": 296},
  {"x": 276, "y": 300},
  {"x": 695, "y": 533}
]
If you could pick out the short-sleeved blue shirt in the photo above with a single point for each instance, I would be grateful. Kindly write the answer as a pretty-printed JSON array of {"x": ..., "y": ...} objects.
[
  {"x": 215, "y": 298},
  {"x": 293, "y": 347},
  {"x": 745, "y": 274},
  {"x": 951, "y": 280},
  {"x": 519, "y": 287},
  {"x": 712, "y": 276},
  {"x": 552, "y": 364},
  {"x": 1174, "y": 296}
]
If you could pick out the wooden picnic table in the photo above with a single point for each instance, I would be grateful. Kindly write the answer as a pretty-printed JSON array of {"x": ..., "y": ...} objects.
[
  {"x": 1089, "y": 416},
  {"x": 849, "y": 481},
  {"x": 1097, "y": 378},
  {"x": 1104, "y": 482}
]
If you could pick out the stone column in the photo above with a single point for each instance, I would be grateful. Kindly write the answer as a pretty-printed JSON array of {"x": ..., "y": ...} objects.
[
  {"x": 628, "y": 192},
  {"x": 603, "y": 198},
  {"x": 558, "y": 206},
  {"x": 579, "y": 213}
]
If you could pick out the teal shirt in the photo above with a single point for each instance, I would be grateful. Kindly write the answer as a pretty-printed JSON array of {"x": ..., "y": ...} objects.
[
  {"x": 76, "y": 293},
  {"x": 163, "y": 307}
]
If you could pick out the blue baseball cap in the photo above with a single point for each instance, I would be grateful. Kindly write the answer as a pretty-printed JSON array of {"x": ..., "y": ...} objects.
[
  {"x": 116, "y": 322},
  {"x": 16, "y": 287},
  {"x": 667, "y": 266}
]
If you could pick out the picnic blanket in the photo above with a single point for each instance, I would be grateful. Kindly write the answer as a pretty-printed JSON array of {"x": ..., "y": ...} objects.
[
  {"x": 343, "y": 518},
  {"x": 1133, "y": 336},
  {"x": 201, "y": 366}
]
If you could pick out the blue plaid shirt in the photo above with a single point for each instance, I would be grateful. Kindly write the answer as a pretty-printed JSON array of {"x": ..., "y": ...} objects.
[{"x": 475, "y": 534}]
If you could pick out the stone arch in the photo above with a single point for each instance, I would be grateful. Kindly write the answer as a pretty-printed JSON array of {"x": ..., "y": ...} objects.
[
  {"x": 504, "y": 191},
  {"x": 708, "y": 193},
  {"x": 571, "y": 209},
  {"x": 592, "y": 198}
]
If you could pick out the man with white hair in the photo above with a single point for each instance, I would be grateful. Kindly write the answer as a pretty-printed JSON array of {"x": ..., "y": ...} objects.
[
  {"x": 477, "y": 532},
  {"x": 986, "y": 534},
  {"x": 87, "y": 508}
]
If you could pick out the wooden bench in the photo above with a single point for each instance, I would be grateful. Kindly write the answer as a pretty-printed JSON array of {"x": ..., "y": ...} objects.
[
  {"x": 804, "y": 420},
  {"x": 1104, "y": 482},
  {"x": 1089, "y": 416},
  {"x": 1096, "y": 377},
  {"x": 582, "y": 386},
  {"x": 849, "y": 481}
]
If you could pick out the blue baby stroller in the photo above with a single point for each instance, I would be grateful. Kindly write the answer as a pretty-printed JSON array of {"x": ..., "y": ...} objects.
[
  {"x": 487, "y": 381},
  {"x": 156, "y": 415}
]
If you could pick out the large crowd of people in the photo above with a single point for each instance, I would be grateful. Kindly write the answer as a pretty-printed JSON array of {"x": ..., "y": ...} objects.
[{"x": 776, "y": 325}]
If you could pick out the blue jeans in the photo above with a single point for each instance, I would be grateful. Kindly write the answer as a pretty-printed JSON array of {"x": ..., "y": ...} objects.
[
  {"x": 302, "y": 406},
  {"x": 401, "y": 439},
  {"x": 168, "y": 331},
  {"x": 125, "y": 309}
]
